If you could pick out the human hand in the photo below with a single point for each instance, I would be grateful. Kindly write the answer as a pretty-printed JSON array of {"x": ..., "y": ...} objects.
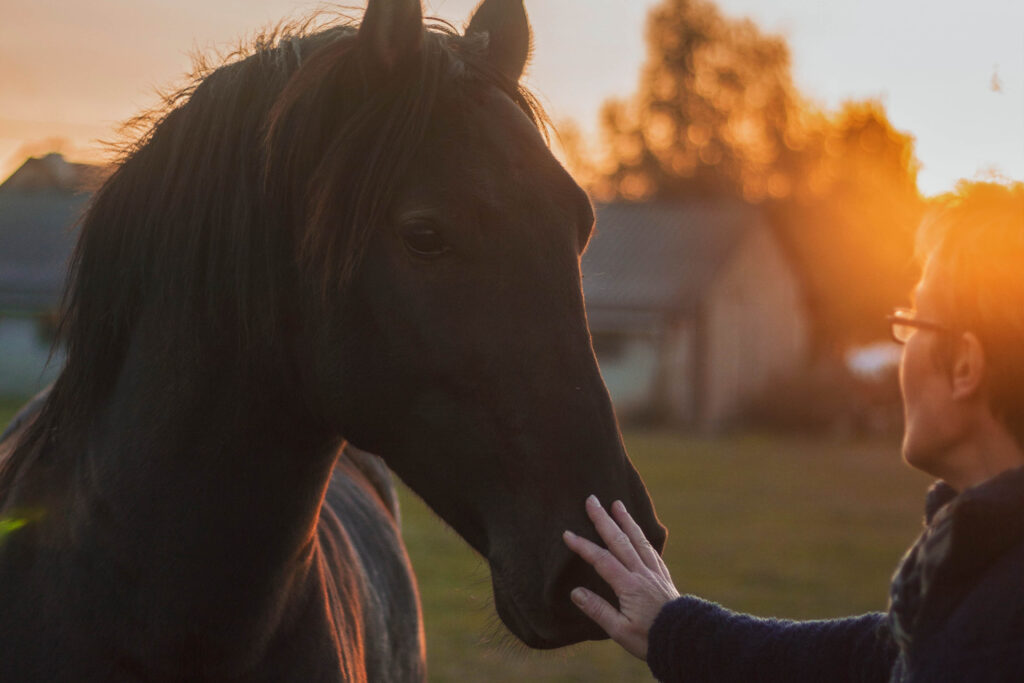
[{"x": 634, "y": 570}]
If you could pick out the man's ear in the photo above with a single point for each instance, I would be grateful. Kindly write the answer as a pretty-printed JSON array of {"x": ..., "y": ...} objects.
[{"x": 969, "y": 367}]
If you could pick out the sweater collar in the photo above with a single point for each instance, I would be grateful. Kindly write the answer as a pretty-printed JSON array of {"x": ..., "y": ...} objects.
[
  {"x": 992, "y": 500},
  {"x": 939, "y": 494},
  {"x": 965, "y": 534}
]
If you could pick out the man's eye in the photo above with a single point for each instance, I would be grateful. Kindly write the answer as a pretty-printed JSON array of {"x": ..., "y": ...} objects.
[{"x": 424, "y": 240}]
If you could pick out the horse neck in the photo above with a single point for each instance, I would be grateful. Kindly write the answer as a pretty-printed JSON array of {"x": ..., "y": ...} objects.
[{"x": 204, "y": 490}]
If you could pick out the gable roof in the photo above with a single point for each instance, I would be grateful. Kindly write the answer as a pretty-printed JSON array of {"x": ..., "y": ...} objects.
[
  {"x": 53, "y": 172},
  {"x": 36, "y": 240},
  {"x": 645, "y": 260}
]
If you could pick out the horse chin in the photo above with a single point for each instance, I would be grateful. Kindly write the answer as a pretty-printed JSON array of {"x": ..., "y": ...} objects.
[
  {"x": 549, "y": 635},
  {"x": 552, "y": 623}
]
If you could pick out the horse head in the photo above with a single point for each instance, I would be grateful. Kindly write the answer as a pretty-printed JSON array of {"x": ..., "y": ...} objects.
[{"x": 458, "y": 347}]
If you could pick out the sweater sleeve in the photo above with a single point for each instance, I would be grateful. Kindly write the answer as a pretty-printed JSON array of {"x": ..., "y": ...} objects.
[{"x": 697, "y": 641}]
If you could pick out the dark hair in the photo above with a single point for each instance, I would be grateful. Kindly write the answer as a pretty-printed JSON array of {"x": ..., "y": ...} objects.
[{"x": 272, "y": 168}]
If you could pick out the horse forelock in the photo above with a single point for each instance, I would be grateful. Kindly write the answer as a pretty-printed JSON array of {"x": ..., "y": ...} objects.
[
  {"x": 347, "y": 176},
  {"x": 270, "y": 169}
]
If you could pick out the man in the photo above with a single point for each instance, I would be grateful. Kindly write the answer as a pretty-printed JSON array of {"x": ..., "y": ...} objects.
[{"x": 956, "y": 608}]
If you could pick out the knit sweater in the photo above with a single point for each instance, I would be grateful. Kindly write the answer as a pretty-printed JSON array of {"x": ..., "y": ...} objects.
[{"x": 956, "y": 612}]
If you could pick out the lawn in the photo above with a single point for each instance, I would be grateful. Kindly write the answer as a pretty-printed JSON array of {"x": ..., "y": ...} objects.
[{"x": 782, "y": 526}]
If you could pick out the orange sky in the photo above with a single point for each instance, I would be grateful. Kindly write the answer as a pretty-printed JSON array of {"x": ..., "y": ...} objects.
[{"x": 952, "y": 77}]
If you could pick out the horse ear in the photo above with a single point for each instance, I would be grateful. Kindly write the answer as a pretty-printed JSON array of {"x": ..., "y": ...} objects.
[
  {"x": 391, "y": 32},
  {"x": 508, "y": 30}
]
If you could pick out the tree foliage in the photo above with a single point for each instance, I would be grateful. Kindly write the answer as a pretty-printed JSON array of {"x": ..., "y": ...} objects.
[
  {"x": 717, "y": 114},
  {"x": 850, "y": 225}
]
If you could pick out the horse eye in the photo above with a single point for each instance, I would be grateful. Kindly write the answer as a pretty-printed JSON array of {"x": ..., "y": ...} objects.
[{"x": 424, "y": 240}]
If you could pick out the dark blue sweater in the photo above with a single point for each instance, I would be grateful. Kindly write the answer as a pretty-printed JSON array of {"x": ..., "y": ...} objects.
[{"x": 956, "y": 612}]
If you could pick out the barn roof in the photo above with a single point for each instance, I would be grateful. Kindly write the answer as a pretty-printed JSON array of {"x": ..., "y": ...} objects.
[
  {"x": 645, "y": 260},
  {"x": 54, "y": 172},
  {"x": 36, "y": 239}
]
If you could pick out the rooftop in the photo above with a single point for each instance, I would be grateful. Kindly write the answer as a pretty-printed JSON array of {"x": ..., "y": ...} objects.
[{"x": 648, "y": 259}]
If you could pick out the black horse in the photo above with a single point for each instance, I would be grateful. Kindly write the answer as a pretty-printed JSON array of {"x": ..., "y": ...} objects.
[{"x": 350, "y": 236}]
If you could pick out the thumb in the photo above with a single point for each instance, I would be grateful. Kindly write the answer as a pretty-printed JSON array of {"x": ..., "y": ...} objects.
[
  {"x": 614, "y": 623},
  {"x": 598, "y": 609}
]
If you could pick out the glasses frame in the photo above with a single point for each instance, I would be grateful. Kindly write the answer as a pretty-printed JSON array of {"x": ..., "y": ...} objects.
[{"x": 905, "y": 317}]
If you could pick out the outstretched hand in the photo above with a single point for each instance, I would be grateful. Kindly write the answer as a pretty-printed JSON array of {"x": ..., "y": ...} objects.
[{"x": 634, "y": 570}]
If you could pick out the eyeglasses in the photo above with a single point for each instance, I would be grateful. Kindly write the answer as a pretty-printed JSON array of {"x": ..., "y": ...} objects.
[{"x": 903, "y": 324}]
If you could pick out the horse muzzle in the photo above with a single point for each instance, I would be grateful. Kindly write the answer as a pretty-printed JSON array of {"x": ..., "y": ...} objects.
[{"x": 540, "y": 613}]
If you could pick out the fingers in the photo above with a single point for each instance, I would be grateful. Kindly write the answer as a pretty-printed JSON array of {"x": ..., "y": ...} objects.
[
  {"x": 615, "y": 538},
  {"x": 607, "y": 565},
  {"x": 632, "y": 568},
  {"x": 643, "y": 548}
]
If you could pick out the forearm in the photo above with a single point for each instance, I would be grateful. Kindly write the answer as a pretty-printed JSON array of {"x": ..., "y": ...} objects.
[{"x": 696, "y": 641}]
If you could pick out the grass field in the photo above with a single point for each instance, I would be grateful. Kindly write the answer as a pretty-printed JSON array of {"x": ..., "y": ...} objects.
[
  {"x": 781, "y": 526},
  {"x": 790, "y": 527}
]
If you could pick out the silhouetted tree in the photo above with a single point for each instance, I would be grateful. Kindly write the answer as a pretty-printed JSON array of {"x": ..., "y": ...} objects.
[
  {"x": 716, "y": 114},
  {"x": 850, "y": 224}
]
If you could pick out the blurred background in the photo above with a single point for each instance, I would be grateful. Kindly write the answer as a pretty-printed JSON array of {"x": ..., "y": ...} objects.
[{"x": 758, "y": 171}]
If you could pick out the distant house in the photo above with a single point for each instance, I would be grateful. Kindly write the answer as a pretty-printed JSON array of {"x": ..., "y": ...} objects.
[
  {"x": 39, "y": 206},
  {"x": 694, "y": 309}
]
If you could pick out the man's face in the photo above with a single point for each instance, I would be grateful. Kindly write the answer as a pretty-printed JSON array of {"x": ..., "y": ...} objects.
[{"x": 933, "y": 422}]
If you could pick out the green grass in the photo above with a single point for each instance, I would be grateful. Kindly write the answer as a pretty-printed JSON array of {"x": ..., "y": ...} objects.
[
  {"x": 791, "y": 527},
  {"x": 781, "y": 526}
]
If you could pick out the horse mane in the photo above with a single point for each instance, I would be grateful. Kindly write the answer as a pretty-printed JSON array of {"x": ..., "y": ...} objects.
[{"x": 264, "y": 173}]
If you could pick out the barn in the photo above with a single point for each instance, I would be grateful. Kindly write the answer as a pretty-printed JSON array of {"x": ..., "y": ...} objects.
[
  {"x": 39, "y": 205},
  {"x": 694, "y": 309}
]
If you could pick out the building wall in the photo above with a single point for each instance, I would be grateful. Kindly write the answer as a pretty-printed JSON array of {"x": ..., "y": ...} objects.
[
  {"x": 756, "y": 327},
  {"x": 629, "y": 367},
  {"x": 651, "y": 374},
  {"x": 23, "y": 357},
  {"x": 677, "y": 390}
]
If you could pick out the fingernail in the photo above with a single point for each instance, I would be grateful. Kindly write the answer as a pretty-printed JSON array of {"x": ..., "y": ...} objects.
[
  {"x": 593, "y": 500},
  {"x": 568, "y": 534},
  {"x": 619, "y": 506},
  {"x": 578, "y": 595}
]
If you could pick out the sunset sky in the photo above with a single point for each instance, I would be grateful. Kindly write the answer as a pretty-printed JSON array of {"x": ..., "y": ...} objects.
[{"x": 949, "y": 73}]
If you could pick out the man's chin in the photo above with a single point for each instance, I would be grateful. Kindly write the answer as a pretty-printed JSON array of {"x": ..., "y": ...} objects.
[{"x": 923, "y": 459}]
